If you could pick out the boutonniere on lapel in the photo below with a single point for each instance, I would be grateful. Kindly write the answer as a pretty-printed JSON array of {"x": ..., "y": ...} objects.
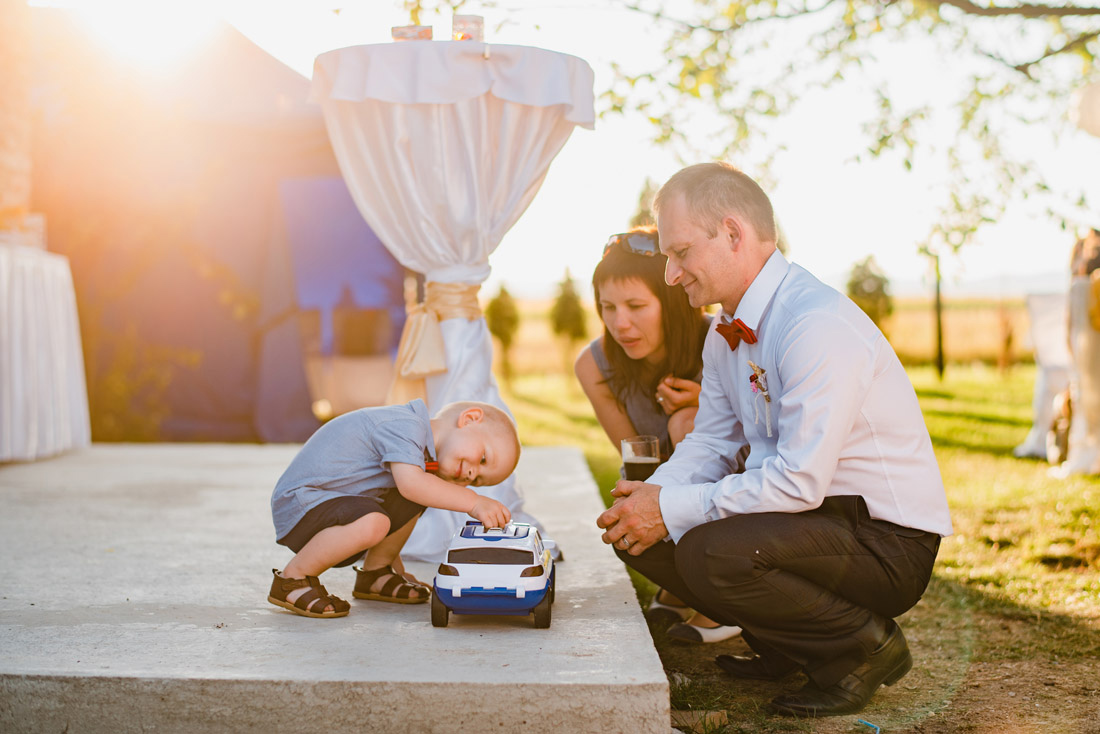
[{"x": 758, "y": 383}]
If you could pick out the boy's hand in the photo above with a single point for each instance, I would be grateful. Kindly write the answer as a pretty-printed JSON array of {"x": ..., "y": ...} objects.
[
  {"x": 431, "y": 491},
  {"x": 674, "y": 393},
  {"x": 491, "y": 513}
]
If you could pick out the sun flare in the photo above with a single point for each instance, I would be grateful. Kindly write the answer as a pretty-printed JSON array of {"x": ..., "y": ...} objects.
[{"x": 149, "y": 33}]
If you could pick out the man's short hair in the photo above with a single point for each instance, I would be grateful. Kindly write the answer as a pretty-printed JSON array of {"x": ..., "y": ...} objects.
[{"x": 714, "y": 190}]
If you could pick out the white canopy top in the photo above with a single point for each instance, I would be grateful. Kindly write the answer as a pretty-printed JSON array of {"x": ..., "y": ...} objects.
[{"x": 445, "y": 72}]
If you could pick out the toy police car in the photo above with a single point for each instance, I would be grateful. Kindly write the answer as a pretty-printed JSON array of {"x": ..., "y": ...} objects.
[{"x": 507, "y": 570}]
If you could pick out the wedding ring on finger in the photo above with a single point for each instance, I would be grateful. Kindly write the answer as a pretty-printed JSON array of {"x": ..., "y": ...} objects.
[
  {"x": 624, "y": 543},
  {"x": 660, "y": 399}
]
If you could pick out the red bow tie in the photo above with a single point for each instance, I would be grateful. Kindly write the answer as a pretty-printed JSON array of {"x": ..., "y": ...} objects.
[{"x": 736, "y": 332}]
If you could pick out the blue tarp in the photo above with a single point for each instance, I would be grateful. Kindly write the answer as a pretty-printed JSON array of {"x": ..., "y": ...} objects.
[{"x": 335, "y": 254}]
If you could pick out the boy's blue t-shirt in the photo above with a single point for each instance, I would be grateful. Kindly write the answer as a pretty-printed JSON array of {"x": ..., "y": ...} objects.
[{"x": 350, "y": 455}]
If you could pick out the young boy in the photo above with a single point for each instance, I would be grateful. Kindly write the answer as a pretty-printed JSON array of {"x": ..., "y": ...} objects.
[{"x": 361, "y": 481}]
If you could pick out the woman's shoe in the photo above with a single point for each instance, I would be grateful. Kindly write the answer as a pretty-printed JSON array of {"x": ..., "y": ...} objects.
[
  {"x": 685, "y": 632},
  {"x": 658, "y": 613}
]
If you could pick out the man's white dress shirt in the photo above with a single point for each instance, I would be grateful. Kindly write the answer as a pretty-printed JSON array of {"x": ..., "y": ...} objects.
[{"x": 844, "y": 417}]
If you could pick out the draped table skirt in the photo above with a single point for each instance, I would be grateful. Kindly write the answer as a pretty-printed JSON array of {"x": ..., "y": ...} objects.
[{"x": 43, "y": 398}]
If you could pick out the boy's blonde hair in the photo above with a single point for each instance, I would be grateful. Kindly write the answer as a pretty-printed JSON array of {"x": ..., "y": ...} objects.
[{"x": 494, "y": 416}]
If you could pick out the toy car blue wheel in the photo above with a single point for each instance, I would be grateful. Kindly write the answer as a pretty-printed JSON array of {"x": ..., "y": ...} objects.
[
  {"x": 542, "y": 613},
  {"x": 440, "y": 612}
]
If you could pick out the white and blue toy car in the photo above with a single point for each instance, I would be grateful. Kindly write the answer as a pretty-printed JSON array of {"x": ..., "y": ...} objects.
[{"x": 506, "y": 570}]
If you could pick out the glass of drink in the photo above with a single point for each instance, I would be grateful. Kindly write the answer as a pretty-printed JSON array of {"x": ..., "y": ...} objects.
[
  {"x": 468, "y": 28},
  {"x": 641, "y": 456}
]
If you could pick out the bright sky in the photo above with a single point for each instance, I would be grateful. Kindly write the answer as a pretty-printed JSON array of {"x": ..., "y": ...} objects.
[{"x": 834, "y": 211}]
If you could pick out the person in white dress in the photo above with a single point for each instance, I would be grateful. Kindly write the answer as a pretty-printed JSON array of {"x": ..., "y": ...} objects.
[{"x": 1084, "y": 344}]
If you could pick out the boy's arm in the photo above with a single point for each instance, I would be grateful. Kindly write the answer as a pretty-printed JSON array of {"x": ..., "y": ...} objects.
[{"x": 429, "y": 490}]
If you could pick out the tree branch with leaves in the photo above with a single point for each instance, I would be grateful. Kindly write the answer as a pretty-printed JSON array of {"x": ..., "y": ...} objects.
[{"x": 743, "y": 66}]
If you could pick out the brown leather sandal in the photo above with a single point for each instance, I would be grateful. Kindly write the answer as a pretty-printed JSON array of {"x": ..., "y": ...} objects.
[
  {"x": 316, "y": 598},
  {"x": 397, "y": 588}
]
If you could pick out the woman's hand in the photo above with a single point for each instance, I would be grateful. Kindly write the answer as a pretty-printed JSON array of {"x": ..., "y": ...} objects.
[{"x": 674, "y": 393}]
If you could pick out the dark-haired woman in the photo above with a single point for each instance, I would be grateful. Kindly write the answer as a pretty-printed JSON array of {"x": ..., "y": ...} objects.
[{"x": 642, "y": 374}]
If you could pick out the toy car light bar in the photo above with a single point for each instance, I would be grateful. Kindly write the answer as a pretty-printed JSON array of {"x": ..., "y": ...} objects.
[{"x": 474, "y": 529}]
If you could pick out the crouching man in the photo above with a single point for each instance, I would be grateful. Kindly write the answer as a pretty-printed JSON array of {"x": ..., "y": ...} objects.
[{"x": 832, "y": 529}]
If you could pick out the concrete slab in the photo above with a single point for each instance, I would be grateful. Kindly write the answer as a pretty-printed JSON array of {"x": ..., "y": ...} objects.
[{"x": 136, "y": 579}]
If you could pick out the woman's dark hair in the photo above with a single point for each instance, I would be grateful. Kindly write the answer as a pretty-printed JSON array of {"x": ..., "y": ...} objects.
[{"x": 682, "y": 326}]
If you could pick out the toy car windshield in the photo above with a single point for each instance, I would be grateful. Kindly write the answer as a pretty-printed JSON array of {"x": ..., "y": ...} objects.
[{"x": 501, "y": 556}]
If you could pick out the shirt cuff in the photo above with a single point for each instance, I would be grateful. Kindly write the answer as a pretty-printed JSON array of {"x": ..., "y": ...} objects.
[
  {"x": 681, "y": 508},
  {"x": 402, "y": 457}
]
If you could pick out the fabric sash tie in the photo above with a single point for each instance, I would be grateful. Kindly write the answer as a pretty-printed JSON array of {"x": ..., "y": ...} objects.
[{"x": 421, "y": 352}]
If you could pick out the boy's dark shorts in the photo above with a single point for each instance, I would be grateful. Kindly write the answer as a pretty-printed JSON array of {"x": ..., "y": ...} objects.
[{"x": 346, "y": 510}]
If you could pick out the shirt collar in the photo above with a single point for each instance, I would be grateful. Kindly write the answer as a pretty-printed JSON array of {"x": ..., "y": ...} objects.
[
  {"x": 759, "y": 294},
  {"x": 420, "y": 409}
]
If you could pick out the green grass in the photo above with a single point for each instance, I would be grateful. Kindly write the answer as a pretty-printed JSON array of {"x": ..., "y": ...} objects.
[
  {"x": 1025, "y": 543},
  {"x": 1019, "y": 579}
]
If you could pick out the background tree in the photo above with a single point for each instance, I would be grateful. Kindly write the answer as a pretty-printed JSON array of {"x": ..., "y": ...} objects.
[
  {"x": 643, "y": 216},
  {"x": 737, "y": 64},
  {"x": 503, "y": 319},
  {"x": 870, "y": 289},
  {"x": 743, "y": 65},
  {"x": 568, "y": 317}
]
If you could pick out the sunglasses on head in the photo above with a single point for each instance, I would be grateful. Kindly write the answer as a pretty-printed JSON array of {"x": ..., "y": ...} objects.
[{"x": 636, "y": 242}]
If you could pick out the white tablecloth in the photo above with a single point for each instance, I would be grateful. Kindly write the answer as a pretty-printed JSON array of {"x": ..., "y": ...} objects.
[
  {"x": 443, "y": 145},
  {"x": 43, "y": 399},
  {"x": 444, "y": 149}
]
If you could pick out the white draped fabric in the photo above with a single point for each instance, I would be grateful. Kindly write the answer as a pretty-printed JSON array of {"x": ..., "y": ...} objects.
[
  {"x": 443, "y": 145},
  {"x": 1054, "y": 366},
  {"x": 43, "y": 398}
]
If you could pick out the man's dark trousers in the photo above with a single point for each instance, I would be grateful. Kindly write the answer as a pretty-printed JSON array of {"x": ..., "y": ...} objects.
[{"x": 813, "y": 586}]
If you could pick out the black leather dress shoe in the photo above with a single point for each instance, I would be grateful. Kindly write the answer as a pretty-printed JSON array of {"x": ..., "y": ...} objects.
[
  {"x": 851, "y": 693},
  {"x": 755, "y": 667}
]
